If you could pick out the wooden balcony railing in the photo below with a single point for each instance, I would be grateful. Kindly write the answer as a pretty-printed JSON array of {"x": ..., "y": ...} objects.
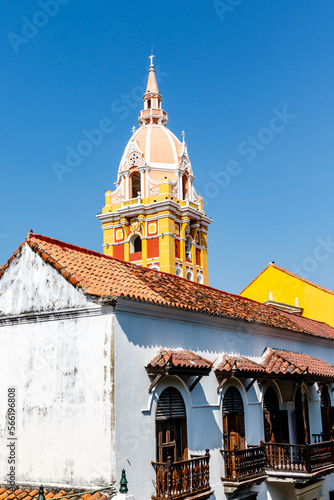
[
  {"x": 244, "y": 465},
  {"x": 298, "y": 458},
  {"x": 182, "y": 479},
  {"x": 318, "y": 438}
]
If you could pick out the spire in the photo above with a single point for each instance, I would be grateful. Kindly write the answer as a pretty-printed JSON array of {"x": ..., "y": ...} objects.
[
  {"x": 152, "y": 86},
  {"x": 152, "y": 112},
  {"x": 184, "y": 151}
]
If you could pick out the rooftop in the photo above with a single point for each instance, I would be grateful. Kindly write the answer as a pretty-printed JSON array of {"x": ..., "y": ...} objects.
[{"x": 99, "y": 275}]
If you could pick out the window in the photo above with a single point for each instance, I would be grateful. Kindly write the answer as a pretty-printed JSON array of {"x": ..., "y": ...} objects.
[
  {"x": 233, "y": 419},
  {"x": 188, "y": 247},
  {"x": 178, "y": 271},
  {"x": 189, "y": 275},
  {"x": 135, "y": 184},
  {"x": 171, "y": 426},
  {"x": 135, "y": 244},
  {"x": 199, "y": 278},
  {"x": 149, "y": 104},
  {"x": 185, "y": 186}
]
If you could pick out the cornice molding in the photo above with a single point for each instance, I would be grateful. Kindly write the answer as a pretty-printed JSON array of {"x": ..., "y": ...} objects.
[{"x": 66, "y": 314}]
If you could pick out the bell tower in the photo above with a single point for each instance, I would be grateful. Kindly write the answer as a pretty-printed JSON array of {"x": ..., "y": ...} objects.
[{"x": 154, "y": 218}]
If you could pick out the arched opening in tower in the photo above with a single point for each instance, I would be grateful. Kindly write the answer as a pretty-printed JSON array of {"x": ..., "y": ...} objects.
[
  {"x": 135, "y": 184},
  {"x": 135, "y": 244},
  {"x": 185, "y": 186}
]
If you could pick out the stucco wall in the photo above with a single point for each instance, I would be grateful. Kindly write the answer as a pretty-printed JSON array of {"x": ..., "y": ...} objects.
[
  {"x": 137, "y": 338},
  {"x": 31, "y": 285},
  {"x": 61, "y": 366},
  {"x": 61, "y": 371}
]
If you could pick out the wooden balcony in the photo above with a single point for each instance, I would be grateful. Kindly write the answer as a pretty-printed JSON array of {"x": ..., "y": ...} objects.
[
  {"x": 294, "y": 460},
  {"x": 184, "y": 479},
  {"x": 244, "y": 466}
]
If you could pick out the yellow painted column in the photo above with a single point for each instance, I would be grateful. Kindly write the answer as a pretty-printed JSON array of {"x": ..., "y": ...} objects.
[
  {"x": 144, "y": 244},
  {"x": 108, "y": 239},
  {"x": 167, "y": 244}
]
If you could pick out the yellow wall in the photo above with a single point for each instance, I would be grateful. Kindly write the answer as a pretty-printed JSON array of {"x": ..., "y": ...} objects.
[{"x": 317, "y": 303}]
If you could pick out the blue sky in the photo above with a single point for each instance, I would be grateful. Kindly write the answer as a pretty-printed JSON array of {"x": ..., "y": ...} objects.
[{"x": 251, "y": 83}]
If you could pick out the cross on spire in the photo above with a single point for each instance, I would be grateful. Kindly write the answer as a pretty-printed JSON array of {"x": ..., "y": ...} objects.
[
  {"x": 183, "y": 135},
  {"x": 151, "y": 57}
]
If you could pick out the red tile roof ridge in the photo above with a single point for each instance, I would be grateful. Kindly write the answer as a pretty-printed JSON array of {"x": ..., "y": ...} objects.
[
  {"x": 270, "y": 351},
  {"x": 146, "y": 285},
  {"x": 181, "y": 350},
  {"x": 132, "y": 266},
  {"x": 275, "y": 266}
]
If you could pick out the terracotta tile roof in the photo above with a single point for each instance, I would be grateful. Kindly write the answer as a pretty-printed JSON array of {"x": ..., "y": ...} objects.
[
  {"x": 311, "y": 325},
  {"x": 277, "y": 362},
  {"x": 285, "y": 271},
  {"x": 240, "y": 364},
  {"x": 103, "y": 276},
  {"x": 21, "y": 492},
  {"x": 179, "y": 358}
]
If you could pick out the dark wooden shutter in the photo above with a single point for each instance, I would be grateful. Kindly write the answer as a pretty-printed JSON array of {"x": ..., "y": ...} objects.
[
  {"x": 232, "y": 401},
  {"x": 267, "y": 426},
  {"x": 170, "y": 405},
  {"x": 234, "y": 423}
]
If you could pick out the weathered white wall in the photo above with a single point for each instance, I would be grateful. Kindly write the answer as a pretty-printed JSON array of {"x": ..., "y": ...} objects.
[
  {"x": 137, "y": 339},
  {"x": 65, "y": 424},
  {"x": 31, "y": 285},
  {"x": 62, "y": 369}
]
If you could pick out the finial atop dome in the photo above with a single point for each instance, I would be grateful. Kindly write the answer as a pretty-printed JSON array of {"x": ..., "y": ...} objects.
[{"x": 152, "y": 112}]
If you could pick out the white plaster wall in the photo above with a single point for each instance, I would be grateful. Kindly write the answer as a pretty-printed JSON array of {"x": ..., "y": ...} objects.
[
  {"x": 62, "y": 372},
  {"x": 137, "y": 338},
  {"x": 30, "y": 285}
]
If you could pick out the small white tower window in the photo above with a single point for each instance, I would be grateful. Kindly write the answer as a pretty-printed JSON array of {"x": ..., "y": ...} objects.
[
  {"x": 199, "y": 278},
  {"x": 135, "y": 244},
  {"x": 189, "y": 275},
  {"x": 178, "y": 271},
  {"x": 188, "y": 247}
]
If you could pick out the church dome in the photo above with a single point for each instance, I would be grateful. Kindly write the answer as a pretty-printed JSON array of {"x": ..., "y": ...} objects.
[{"x": 157, "y": 146}]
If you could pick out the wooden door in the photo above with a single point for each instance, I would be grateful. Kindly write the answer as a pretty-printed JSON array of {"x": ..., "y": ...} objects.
[
  {"x": 171, "y": 427},
  {"x": 233, "y": 420},
  {"x": 302, "y": 417}
]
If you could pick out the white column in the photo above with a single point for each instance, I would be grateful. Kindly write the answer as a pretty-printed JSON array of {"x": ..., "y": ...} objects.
[{"x": 126, "y": 185}]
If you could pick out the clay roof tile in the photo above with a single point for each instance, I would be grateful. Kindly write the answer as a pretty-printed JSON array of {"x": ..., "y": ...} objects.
[{"x": 103, "y": 276}]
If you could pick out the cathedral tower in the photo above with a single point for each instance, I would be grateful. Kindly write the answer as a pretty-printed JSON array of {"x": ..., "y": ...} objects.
[{"x": 154, "y": 217}]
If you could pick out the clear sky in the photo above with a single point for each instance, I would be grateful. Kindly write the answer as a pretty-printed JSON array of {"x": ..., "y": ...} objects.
[{"x": 250, "y": 82}]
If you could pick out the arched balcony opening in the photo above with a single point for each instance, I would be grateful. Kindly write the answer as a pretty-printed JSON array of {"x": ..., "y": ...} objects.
[
  {"x": 276, "y": 427},
  {"x": 177, "y": 476}
]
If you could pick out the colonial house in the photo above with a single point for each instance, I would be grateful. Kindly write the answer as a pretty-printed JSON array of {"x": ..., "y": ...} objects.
[
  {"x": 195, "y": 392},
  {"x": 283, "y": 289},
  {"x": 127, "y": 367}
]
